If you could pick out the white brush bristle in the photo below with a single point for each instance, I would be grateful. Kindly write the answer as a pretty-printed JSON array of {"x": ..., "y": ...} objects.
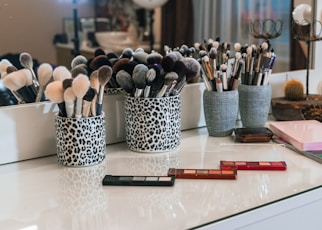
[
  {"x": 69, "y": 95},
  {"x": 80, "y": 85},
  {"x": 55, "y": 92},
  {"x": 60, "y": 73},
  {"x": 15, "y": 80},
  {"x": 44, "y": 72}
]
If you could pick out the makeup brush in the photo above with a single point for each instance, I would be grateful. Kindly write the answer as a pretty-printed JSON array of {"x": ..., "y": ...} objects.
[
  {"x": 125, "y": 80},
  {"x": 79, "y": 59},
  {"x": 193, "y": 69},
  {"x": 87, "y": 101},
  {"x": 26, "y": 61},
  {"x": 60, "y": 73},
  {"x": 118, "y": 65},
  {"x": 139, "y": 79},
  {"x": 223, "y": 70},
  {"x": 79, "y": 69},
  {"x": 67, "y": 83},
  {"x": 80, "y": 87},
  {"x": 127, "y": 53},
  {"x": 150, "y": 76},
  {"x": 168, "y": 61},
  {"x": 140, "y": 57},
  {"x": 16, "y": 82},
  {"x": 168, "y": 79},
  {"x": 181, "y": 69},
  {"x": 153, "y": 58},
  {"x": 44, "y": 72},
  {"x": 30, "y": 86},
  {"x": 99, "y": 61},
  {"x": 11, "y": 69},
  {"x": 4, "y": 64},
  {"x": 94, "y": 83},
  {"x": 55, "y": 93},
  {"x": 99, "y": 51},
  {"x": 70, "y": 99},
  {"x": 104, "y": 75}
]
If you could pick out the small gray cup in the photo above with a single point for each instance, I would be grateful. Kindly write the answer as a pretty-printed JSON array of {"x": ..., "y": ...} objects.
[
  {"x": 220, "y": 109},
  {"x": 254, "y": 104},
  {"x": 153, "y": 124},
  {"x": 80, "y": 141}
]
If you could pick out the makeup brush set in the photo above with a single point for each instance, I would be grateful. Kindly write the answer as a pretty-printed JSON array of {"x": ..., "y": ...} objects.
[{"x": 251, "y": 64}]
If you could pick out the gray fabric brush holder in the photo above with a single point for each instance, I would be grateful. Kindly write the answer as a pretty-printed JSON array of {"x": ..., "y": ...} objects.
[
  {"x": 220, "y": 109},
  {"x": 153, "y": 124},
  {"x": 80, "y": 142},
  {"x": 254, "y": 104}
]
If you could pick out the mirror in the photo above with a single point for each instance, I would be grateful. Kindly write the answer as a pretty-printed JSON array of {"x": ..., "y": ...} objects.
[{"x": 35, "y": 33}]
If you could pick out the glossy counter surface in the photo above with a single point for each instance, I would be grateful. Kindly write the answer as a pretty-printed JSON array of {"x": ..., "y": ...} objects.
[{"x": 42, "y": 194}]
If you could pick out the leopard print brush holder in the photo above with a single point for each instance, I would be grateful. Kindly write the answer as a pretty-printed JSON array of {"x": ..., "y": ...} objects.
[
  {"x": 153, "y": 124},
  {"x": 80, "y": 142}
]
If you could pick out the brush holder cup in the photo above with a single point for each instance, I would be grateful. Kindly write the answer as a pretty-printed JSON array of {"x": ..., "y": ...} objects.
[
  {"x": 254, "y": 104},
  {"x": 80, "y": 142},
  {"x": 153, "y": 124},
  {"x": 220, "y": 109}
]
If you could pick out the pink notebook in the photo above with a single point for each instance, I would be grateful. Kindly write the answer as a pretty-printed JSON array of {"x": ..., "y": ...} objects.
[{"x": 305, "y": 135}]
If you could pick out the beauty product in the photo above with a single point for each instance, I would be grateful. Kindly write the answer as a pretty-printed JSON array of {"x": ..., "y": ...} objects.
[
  {"x": 253, "y": 134},
  {"x": 253, "y": 165},
  {"x": 203, "y": 173},
  {"x": 139, "y": 180}
]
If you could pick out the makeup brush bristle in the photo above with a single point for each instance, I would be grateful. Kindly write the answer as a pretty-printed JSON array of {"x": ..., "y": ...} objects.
[
  {"x": 80, "y": 85},
  {"x": 60, "y": 73},
  {"x": 55, "y": 92},
  {"x": 125, "y": 80},
  {"x": 79, "y": 59},
  {"x": 99, "y": 61}
]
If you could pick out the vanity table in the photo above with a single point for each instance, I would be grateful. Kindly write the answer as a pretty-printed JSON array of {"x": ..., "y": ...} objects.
[{"x": 42, "y": 194}]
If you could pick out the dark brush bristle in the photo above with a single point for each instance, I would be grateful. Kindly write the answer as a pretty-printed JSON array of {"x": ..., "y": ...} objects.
[
  {"x": 90, "y": 94},
  {"x": 99, "y": 51},
  {"x": 154, "y": 58},
  {"x": 118, "y": 65},
  {"x": 180, "y": 68},
  {"x": 99, "y": 61},
  {"x": 167, "y": 63},
  {"x": 67, "y": 83}
]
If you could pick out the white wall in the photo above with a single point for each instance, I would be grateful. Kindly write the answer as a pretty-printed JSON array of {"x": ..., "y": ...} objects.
[{"x": 30, "y": 25}]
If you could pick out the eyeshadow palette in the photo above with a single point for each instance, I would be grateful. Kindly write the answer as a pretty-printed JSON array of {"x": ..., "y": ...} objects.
[
  {"x": 139, "y": 180},
  {"x": 203, "y": 173},
  {"x": 253, "y": 165}
]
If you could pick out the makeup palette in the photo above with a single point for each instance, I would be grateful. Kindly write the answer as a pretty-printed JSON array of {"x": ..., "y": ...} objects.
[
  {"x": 139, "y": 180},
  {"x": 253, "y": 165},
  {"x": 203, "y": 173}
]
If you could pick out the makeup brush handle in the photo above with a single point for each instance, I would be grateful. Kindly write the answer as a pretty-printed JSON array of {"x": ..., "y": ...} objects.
[
  {"x": 69, "y": 109},
  {"x": 93, "y": 106},
  {"x": 86, "y": 108},
  {"x": 147, "y": 91},
  {"x": 162, "y": 91},
  {"x": 78, "y": 110},
  {"x": 39, "y": 94},
  {"x": 99, "y": 108}
]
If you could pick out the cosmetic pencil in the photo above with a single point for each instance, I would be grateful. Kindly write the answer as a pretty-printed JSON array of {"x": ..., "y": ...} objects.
[
  {"x": 223, "y": 69},
  {"x": 80, "y": 87},
  {"x": 104, "y": 75},
  {"x": 44, "y": 72}
]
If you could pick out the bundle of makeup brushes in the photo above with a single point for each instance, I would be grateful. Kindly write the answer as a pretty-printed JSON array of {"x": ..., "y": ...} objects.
[
  {"x": 23, "y": 83},
  {"x": 251, "y": 65}
]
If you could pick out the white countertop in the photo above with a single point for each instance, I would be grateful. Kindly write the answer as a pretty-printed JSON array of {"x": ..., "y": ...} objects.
[{"x": 42, "y": 194}]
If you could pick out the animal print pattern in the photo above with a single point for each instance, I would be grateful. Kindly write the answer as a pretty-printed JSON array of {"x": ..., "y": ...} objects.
[
  {"x": 80, "y": 142},
  {"x": 153, "y": 124}
]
